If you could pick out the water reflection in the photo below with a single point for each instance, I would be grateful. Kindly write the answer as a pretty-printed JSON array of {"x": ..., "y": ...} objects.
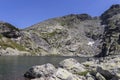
[{"x": 13, "y": 67}]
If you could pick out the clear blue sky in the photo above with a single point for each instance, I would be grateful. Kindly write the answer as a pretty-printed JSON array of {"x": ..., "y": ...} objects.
[{"x": 24, "y": 13}]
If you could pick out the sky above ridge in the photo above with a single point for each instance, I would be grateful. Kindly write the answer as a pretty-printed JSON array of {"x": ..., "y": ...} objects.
[{"x": 24, "y": 13}]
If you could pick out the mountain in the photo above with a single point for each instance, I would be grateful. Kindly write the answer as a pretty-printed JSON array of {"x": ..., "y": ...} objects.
[
  {"x": 73, "y": 34},
  {"x": 111, "y": 36},
  {"x": 70, "y": 35}
]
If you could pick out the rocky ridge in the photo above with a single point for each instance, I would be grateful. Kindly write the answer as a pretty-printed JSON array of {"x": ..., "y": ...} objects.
[
  {"x": 70, "y": 35},
  {"x": 9, "y": 34},
  {"x": 111, "y": 36}
]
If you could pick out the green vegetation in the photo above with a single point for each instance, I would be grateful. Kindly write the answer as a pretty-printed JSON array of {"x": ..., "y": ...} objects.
[
  {"x": 46, "y": 35},
  {"x": 1, "y": 36},
  {"x": 87, "y": 65},
  {"x": 50, "y": 34},
  {"x": 111, "y": 25},
  {"x": 63, "y": 23},
  {"x": 82, "y": 73},
  {"x": 17, "y": 46},
  {"x": 11, "y": 44}
]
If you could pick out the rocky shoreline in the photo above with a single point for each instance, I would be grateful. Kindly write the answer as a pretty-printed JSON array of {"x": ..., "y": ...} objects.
[{"x": 107, "y": 68}]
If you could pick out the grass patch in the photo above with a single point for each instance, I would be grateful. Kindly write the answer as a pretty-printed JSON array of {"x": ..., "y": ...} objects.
[
  {"x": 47, "y": 35},
  {"x": 87, "y": 65},
  {"x": 63, "y": 23},
  {"x": 17, "y": 46},
  {"x": 11, "y": 44},
  {"x": 50, "y": 34},
  {"x": 1, "y": 36},
  {"x": 82, "y": 73},
  {"x": 5, "y": 45}
]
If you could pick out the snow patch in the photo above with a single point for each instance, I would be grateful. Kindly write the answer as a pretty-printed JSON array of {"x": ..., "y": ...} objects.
[{"x": 91, "y": 43}]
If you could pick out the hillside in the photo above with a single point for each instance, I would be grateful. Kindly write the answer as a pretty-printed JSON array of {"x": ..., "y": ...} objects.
[
  {"x": 70, "y": 35},
  {"x": 9, "y": 34},
  {"x": 73, "y": 34}
]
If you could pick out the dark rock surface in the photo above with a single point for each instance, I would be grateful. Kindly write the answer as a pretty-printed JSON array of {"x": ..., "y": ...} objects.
[{"x": 9, "y": 30}]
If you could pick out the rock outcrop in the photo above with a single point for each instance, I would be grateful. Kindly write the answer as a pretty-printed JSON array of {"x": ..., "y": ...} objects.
[
  {"x": 111, "y": 21},
  {"x": 9, "y": 30},
  {"x": 9, "y": 35},
  {"x": 96, "y": 69}
]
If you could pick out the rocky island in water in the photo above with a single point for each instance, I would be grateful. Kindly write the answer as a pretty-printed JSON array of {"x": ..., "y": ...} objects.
[{"x": 71, "y": 35}]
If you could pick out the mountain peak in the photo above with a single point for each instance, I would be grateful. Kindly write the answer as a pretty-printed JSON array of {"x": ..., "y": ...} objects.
[
  {"x": 112, "y": 11},
  {"x": 8, "y": 30},
  {"x": 115, "y": 6},
  {"x": 79, "y": 16}
]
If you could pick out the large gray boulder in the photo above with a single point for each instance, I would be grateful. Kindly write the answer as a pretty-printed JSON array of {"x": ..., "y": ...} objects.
[
  {"x": 112, "y": 74},
  {"x": 105, "y": 73},
  {"x": 62, "y": 74},
  {"x": 41, "y": 71},
  {"x": 72, "y": 65}
]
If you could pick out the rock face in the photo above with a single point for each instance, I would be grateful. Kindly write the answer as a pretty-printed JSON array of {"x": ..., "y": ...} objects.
[
  {"x": 70, "y": 35},
  {"x": 9, "y": 30},
  {"x": 104, "y": 70},
  {"x": 111, "y": 36}
]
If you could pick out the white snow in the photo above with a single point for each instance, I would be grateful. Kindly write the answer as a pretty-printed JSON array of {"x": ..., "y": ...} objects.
[{"x": 91, "y": 43}]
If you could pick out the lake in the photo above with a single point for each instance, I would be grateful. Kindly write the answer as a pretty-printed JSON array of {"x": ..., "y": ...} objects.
[{"x": 14, "y": 67}]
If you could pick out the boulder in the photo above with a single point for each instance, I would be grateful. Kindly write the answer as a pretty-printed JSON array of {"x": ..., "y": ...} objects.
[
  {"x": 62, "y": 74},
  {"x": 44, "y": 71},
  {"x": 105, "y": 73},
  {"x": 100, "y": 77},
  {"x": 90, "y": 77},
  {"x": 72, "y": 65}
]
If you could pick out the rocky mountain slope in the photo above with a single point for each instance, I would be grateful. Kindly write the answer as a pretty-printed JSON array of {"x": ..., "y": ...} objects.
[
  {"x": 74, "y": 34},
  {"x": 111, "y": 36},
  {"x": 68, "y": 35}
]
